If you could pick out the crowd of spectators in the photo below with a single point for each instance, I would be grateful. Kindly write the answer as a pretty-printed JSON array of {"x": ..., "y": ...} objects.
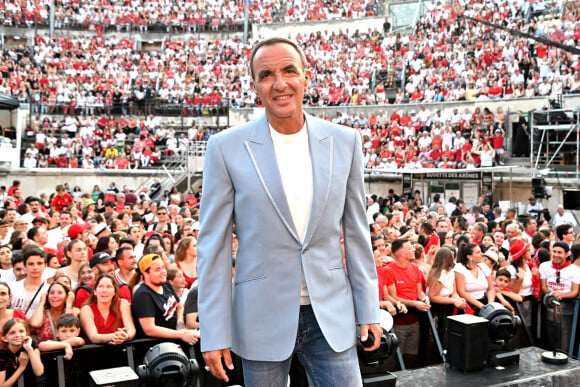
[
  {"x": 73, "y": 260},
  {"x": 446, "y": 59},
  {"x": 454, "y": 260},
  {"x": 430, "y": 138},
  {"x": 103, "y": 142},
  {"x": 426, "y": 138},
  {"x": 177, "y": 15},
  {"x": 111, "y": 265}
]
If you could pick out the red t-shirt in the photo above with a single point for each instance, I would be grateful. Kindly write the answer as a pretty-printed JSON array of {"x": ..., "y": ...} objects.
[
  {"x": 58, "y": 203},
  {"x": 382, "y": 276},
  {"x": 405, "y": 281},
  {"x": 497, "y": 142}
]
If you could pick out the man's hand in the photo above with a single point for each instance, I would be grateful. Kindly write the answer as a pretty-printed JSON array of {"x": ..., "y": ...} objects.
[
  {"x": 213, "y": 359},
  {"x": 377, "y": 332}
]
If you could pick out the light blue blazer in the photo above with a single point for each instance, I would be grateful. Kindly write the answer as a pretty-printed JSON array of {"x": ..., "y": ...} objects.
[{"x": 257, "y": 315}]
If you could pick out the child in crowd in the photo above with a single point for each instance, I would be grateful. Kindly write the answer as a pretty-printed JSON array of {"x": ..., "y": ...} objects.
[
  {"x": 17, "y": 353},
  {"x": 503, "y": 292},
  {"x": 68, "y": 328}
]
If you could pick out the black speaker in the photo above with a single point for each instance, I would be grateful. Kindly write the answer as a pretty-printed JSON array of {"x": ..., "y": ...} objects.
[
  {"x": 467, "y": 342},
  {"x": 571, "y": 199}
]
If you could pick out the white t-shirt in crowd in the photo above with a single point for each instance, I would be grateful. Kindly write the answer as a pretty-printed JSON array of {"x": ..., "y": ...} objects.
[
  {"x": 476, "y": 287},
  {"x": 446, "y": 279},
  {"x": 527, "y": 289},
  {"x": 21, "y": 298},
  {"x": 568, "y": 275}
]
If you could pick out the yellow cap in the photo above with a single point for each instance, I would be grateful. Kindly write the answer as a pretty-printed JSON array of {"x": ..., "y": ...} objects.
[{"x": 147, "y": 261}]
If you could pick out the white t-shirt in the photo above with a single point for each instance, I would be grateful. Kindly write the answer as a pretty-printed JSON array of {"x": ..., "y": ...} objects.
[
  {"x": 446, "y": 279},
  {"x": 295, "y": 166},
  {"x": 476, "y": 287},
  {"x": 568, "y": 275},
  {"x": 527, "y": 289},
  {"x": 22, "y": 298}
]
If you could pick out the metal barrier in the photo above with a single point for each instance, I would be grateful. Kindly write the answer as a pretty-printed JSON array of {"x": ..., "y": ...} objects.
[
  {"x": 574, "y": 331},
  {"x": 131, "y": 348}
]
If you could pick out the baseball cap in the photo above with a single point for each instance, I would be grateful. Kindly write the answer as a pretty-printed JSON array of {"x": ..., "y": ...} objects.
[
  {"x": 40, "y": 219},
  {"x": 491, "y": 255},
  {"x": 99, "y": 229},
  {"x": 100, "y": 257},
  {"x": 147, "y": 261},
  {"x": 76, "y": 229}
]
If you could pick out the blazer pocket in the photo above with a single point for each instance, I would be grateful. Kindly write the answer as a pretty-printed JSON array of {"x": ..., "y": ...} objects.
[
  {"x": 337, "y": 267},
  {"x": 247, "y": 280}
]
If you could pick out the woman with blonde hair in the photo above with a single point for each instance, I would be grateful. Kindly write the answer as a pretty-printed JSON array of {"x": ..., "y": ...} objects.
[
  {"x": 441, "y": 290},
  {"x": 441, "y": 280}
]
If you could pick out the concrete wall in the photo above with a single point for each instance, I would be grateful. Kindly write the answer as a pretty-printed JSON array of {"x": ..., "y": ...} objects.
[{"x": 5, "y": 118}]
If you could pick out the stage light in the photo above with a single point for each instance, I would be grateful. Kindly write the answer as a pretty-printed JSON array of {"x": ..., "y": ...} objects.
[
  {"x": 370, "y": 362},
  {"x": 166, "y": 365},
  {"x": 502, "y": 323},
  {"x": 502, "y": 327},
  {"x": 388, "y": 344}
]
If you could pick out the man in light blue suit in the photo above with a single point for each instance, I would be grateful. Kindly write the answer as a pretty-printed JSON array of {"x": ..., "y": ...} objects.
[{"x": 293, "y": 186}]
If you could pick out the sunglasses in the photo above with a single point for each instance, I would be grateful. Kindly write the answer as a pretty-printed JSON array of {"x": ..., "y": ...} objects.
[{"x": 557, "y": 276}]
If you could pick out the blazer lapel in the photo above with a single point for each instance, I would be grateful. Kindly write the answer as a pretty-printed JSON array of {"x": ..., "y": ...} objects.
[
  {"x": 261, "y": 151},
  {"x": 321, "y": 153}
]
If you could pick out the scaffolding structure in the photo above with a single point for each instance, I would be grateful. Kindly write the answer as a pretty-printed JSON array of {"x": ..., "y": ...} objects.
[{"x": 555, "y": 135}]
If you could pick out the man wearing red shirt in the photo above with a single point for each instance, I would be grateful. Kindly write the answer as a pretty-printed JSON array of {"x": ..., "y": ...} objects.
[
  {"x": 495, "y": 91},
  {"x": 61, "y": 161},
  {"x": 417, "y": 95},
  {"x": 405, "y": 119},
  {"x": 61, "y": 199},
  {"x": 435, "y": 156},
  {"x": 448, "y": 153},
  {"x": 497, "y": 141},
  {"x": 404, "y": 283}
]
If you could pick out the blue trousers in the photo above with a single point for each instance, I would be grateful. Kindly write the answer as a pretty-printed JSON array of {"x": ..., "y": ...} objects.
[{"x": 323, "y": 366}]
